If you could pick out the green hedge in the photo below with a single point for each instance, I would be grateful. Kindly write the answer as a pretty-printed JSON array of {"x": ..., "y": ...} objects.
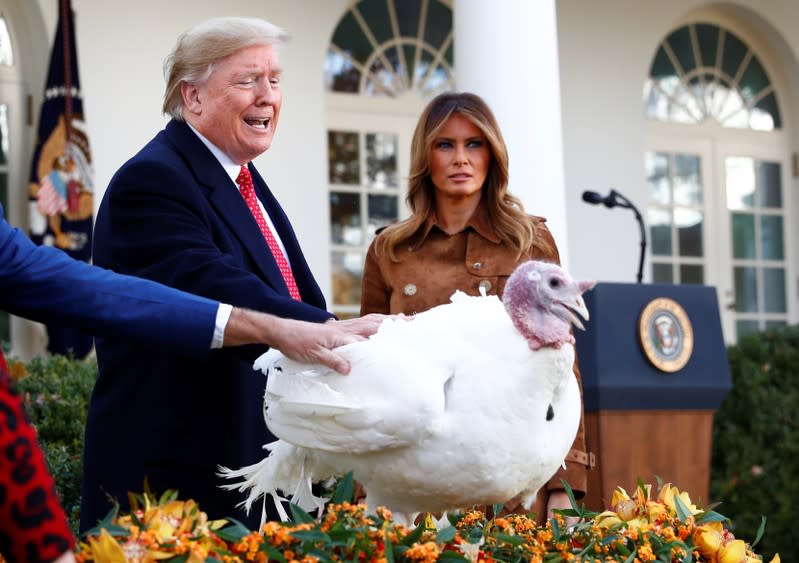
[
  {"x": 755, "y": 436},
  {"x": 57, "y": 392},
  {"x": 755, "y": 467}
]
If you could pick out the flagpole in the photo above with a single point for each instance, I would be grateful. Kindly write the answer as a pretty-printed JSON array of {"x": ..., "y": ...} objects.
[{"x": 65, "y": 15}]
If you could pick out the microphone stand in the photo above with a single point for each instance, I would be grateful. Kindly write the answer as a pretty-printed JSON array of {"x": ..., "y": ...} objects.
[{"x": 615, "y": 198}]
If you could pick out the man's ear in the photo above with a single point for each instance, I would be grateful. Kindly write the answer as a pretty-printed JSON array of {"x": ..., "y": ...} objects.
[{"x": 191, "y": 97}]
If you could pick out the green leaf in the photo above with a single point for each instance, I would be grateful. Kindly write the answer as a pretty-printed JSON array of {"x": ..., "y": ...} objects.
[
  {"x": 414, "y": 536},
  {"x": 711, "y": 516},
  {"x": 299, "y": 516},
  {"x": 760, "y": 530},
  {"x": 389, "y": 549},
  {"x": 683, "y": 512},
  {"x": 570, "y": 494},
  {"x": 345, "y": 490},
  {"x": 497, "y": 508},
  {"x": 446, "y": 535},
  {"x": 311, "y": 536},
  {"x": 513, "y": 540},
  {"x": 273, "y": 554},
  {"x": 234, "y": 532},
  {"x": 475, "y": 535},
  {"x": 452, "y": 556}
]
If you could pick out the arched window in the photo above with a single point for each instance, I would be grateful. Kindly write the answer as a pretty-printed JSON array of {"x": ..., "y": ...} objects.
[
  {"x": 717, "y": 209},
  {"x": 386, "y": 47},
  {"x": 704, "y": 70},
  {"x": 385, "y": 60}
]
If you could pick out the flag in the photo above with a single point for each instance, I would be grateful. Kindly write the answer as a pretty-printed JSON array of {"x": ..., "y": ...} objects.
[{"x": 60, "y": 191}]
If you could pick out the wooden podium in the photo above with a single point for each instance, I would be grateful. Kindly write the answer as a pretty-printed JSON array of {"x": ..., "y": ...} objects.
[{"x": 654, "y": 368}]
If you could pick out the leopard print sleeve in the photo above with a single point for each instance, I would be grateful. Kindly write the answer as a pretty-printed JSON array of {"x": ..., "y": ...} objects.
[{"x": 33, "y": 526}]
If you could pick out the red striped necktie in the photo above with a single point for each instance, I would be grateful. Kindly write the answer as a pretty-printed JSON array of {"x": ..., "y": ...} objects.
[{"x": 244, "y": 181}]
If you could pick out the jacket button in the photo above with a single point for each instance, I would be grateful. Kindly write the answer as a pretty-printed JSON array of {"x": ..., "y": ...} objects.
[
  {"x": 484, "y": 285},
  {"x": 477, "y": 265},
  {"x": 409, "y": 289}
]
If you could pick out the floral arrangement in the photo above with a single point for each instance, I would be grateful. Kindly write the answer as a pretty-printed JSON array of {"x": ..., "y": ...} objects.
[{"x": 637, "y": 529}]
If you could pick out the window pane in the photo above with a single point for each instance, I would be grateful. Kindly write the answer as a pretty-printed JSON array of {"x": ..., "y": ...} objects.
[
  {"x": 381, "y": 160},
  {"x": 743, "y": 235},
  {"x": 347, "y": 276},
  {"x": 740, "y": 182},
  {"x": 744, "y": 328},
  {"x": 689, "y": 231},
  {"x": 340, "y": 74},
  {"x": 708, "y": 38},
  {"x": 734, "y": 53},
  {"x": 687, "y": 180},
  {"x": 343, "y": 157},
  {"x": 376, "y": 13},
  {"x": 768, "y": 105},
  {"x": 662, "y": 273},
  {"x": 690, "y": 273},
  {"x": 771, "y": 237},
  {"x": 769, "y": 184},
  {"x": 657, "y": 175},
  {"x": 345, "y": 218},
  {"x": 753, "y": 80},
  {"x": 680, "y": 42},
  {"x": 776, "y": 324},
  {"x": 745, "y": 289},
  {"x": 774, "y": 290},
  {"x": 438, "y": 25},
  {"x": 382, "y": 212},
  {"x": 660, "y": 231},
  {"x": 6, "y": 52},
  {"x": 349, "y": 37},
  {"x": 408, "y": 16}
]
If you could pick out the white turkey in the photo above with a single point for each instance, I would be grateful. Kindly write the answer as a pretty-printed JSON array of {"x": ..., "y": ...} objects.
[{"x": 472, "y": 402}]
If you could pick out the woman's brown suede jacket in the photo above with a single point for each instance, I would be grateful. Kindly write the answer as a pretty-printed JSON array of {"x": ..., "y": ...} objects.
[{"x": 431, "y": 266}]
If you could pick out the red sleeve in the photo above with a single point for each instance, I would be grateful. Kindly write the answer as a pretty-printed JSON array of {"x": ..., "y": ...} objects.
[{"x": 33, "y": 526}]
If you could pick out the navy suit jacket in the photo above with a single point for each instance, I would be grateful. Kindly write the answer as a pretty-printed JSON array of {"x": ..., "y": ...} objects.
[
  {"x": 44, "y": 284},
  {"x": 172, "y": 214}
]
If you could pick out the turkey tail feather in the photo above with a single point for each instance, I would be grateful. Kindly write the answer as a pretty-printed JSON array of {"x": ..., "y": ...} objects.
[{"x": 284, "y": 469}]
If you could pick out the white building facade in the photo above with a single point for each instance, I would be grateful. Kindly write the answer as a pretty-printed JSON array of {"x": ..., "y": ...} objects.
[{"x": 688, "y": 108}]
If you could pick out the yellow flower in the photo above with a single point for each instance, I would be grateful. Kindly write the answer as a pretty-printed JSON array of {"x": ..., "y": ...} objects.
[
  {"x": 707, "y": 540},
  {"x": 775, "y": 559},
  {"x": 619, "y": 495},
  {"x": 732, "y": 552},
  {"x": 669, "y": 492},
  {"x": 627, "y": 509},
  {"x": 106, "y": 549},
  {"x": 607, "y": 519}
]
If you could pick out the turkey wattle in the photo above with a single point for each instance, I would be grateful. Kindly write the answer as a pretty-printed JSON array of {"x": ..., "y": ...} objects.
[{"x": 472, "y": 402}]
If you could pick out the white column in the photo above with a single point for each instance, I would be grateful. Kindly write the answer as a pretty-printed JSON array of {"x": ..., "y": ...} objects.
[{"x": 507, "y": 52}]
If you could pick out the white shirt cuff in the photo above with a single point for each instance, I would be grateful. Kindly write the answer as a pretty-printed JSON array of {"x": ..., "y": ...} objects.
[{"x": 222, "y": 317}]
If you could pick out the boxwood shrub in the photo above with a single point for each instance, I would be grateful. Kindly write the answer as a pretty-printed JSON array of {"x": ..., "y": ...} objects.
[{"x": 755, "y": 468}]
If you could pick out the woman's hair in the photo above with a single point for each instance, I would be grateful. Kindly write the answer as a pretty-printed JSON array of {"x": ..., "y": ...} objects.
[
  {"x": 201, "y": 47},
  {"x": 505, "y": 211}
]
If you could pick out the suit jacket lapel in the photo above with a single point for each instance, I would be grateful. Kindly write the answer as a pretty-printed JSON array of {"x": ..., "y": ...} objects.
[{"x": 224, "y": 196}]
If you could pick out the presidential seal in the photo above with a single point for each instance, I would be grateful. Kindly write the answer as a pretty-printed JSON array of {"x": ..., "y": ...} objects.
[{"x": 666, "y": 334}]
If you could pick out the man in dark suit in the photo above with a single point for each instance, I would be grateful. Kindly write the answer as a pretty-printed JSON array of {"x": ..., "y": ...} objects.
[
  {"x": 190, "y": 210},
  {"x": 43, "y": 283}
]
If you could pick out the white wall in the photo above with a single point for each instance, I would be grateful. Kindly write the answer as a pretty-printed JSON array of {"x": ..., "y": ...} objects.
[{"x": 606, "y": 49}]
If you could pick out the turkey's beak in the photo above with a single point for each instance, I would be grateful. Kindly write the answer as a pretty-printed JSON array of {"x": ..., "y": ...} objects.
[{"x": 571, "y": 312}]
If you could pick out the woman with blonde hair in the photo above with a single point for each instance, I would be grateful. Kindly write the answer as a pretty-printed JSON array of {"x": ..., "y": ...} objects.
[{"x": 466, "y": 232}]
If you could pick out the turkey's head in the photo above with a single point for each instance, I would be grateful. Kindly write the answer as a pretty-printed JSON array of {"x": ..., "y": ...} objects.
[{"x": 543, "y": 302}]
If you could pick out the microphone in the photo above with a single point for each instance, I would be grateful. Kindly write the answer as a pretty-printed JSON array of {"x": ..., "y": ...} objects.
[
  {"x": 595, "y": 199},
  {"x": 615, "y": 199}
]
